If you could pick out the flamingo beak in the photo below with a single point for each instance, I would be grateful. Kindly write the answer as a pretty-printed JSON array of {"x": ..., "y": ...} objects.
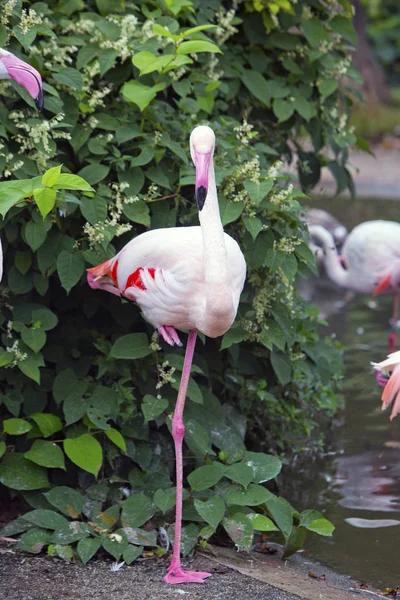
[
  {"x": 202, "y": 163},
  {"x": 27, "y": 76}
]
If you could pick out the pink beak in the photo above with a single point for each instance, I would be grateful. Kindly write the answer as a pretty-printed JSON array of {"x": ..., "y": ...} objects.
[
  {"x": 202, "y": 163},
  {"x": 24, "y": 75}
]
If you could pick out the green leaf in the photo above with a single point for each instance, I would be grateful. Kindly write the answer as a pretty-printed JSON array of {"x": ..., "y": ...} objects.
[
  {"x": 327, "y": 87},
  {"x": 235, "y": 335},
  {"x": 34, "y": 338},
  {"x": 139, "y": 94},
  {"x": 64, "y": 552},
  {"x": 197, "y": 437},
  {"x": 137, "y": 212},
  {"x": 67, "y": 500},
  {"x": 66, "y": 181},
  {"x": 34, "y": 540},
  {"x": 205, "y": 477},
  {"x": 241, "y": 473},
  {"x": 47, "y": 423},
  {"x": 265, "y": 466},
  {"x": 141, "y": 537},
  {"x": 92, "y": 174},
  {"x": 48, "y": 519},
  {"x": 230, "y": 211},
  {"x": 35, "y": 234},
  {"x": 69, "y": 77},
  {"x": 253, "y": 225},
  {"x": 240, "y": 529},
  {"x": 253, "y": 496},
  {"x": 258, "y": 191},
  {"x": 258, "y": 86},
  {"x": 282, "y": 367},
  {"x": 46, "y": 454},
  {"x": 85, "y": 451},
  {"x": 94, "y": 209},
  {"x": 289, "y": 267},
  {"x": 51, "y": 176},
  {"x": 166, "y": 499},
  {"x": 70, "y": 268},
  {"x": 3, "y": 448},
  {"x": 315, "y": 521},
  {"x": 18, "y": 473},
  {"x": 262, "y": 523},
  {"x": 196, "y": 29},
  {"x": 23, "y": 261},
  {"x": 314, "y": 31},
  {"x": 197, "y": 46},
  {"x": 303, "y": 107},
  {"x": 87, "y": 548},
  {"x": 283, "y": 109},
  {"x": 132, "y": 553},
  {"x": 44, "y": 318},
  {"x": 212, "y": 510},
  {"x": 344, "y": 27},
  {"x": 152, "y": 407},
  {"x": 115, "y": 543},
  {"x": 137, "y": 510},
  {"x": 30, "y": 366},
  {"x": 16, "y": 426},
  {"x": 133, "y": 345},
  {"x": 63, "y": 385},
  {"x": 163, "y": 31},
  {"x": 282, "y": 513},
  {"x": 71, "y": 532},
  {"x": 116, "y": 438}
]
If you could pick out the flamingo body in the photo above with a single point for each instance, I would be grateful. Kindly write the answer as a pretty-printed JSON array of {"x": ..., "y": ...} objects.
[
  {"x": 163, "y": 272},
  {"x": 391, "y": 392},
  {"x": 370, "y": 257}
]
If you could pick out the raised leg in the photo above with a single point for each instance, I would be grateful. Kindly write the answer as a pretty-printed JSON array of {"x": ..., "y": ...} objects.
[
  {"x": 175, "y": 572},
  {"x": 170, "y": 335}
]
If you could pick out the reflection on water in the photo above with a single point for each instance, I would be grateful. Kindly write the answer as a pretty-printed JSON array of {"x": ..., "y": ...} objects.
[{"x": 358, "y": 485}]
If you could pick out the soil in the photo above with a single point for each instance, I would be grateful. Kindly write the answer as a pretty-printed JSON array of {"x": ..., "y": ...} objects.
[{"x": 235, "y": 576}]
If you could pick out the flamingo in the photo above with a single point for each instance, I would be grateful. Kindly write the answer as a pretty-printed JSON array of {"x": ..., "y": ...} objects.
[
  {"x": 186, "y": 278},
  {"x": 12, "y": 67},
  {"x": 391, "y": 392},
  {"x": 316, "y": 216},
  {"x": 370, "y": 261}
]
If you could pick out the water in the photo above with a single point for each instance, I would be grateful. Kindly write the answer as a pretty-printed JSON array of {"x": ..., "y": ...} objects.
[{"x": 360, "y": 479}]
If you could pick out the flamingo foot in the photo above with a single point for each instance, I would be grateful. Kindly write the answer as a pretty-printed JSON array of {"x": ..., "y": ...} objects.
[
  {"x": 381, "y": 379},
  {"x": 179, "y": 575},
  {"x": 169, "y": 335}
]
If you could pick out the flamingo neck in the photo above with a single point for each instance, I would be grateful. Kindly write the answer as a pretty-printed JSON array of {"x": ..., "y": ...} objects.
[
  {"x": 333, "y": 266},
  {"x": 218, "y": 296}
]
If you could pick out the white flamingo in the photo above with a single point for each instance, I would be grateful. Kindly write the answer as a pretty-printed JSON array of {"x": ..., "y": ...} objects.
[
  {"x": 186, "y": 278},
  {"x": 369, "y": 262}
]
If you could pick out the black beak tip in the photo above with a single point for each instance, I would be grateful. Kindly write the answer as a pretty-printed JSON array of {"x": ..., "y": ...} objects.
[
  {"x": 201, "y": 195},
  {"x": 39, "y": 101}
]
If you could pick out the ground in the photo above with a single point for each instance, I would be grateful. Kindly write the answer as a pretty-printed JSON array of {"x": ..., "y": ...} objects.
[{"x": 235, "y": 576}]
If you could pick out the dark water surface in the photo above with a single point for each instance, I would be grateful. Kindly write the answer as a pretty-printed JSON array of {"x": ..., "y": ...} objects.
[{"x": 361, "y": 478}]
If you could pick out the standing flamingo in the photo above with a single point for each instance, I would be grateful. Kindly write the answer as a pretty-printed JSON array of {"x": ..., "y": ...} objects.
[
  {"x": 186, "y": 278},
  {"x": 391, "y": 392},
  {"x": 12, "y": 67},
  {"x": 370, "y": 261}
]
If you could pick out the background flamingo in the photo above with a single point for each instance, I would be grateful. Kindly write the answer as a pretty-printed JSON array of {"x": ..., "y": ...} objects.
[
  {"x": 317, "y": 216},
  {"x": 12, "y": 67},
  {"x": 186, "y": 278},
  {"x": 370, "y": 261}
]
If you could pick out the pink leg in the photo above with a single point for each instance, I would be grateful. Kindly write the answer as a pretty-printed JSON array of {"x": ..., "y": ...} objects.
[
  {"x": 169, "y": 335},
  {"x": 393, "y": 323},
  {"x": 175, "y": 572}
]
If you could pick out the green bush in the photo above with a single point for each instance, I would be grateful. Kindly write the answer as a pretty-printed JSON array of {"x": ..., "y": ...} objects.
[{"x": 87, "y": 390}]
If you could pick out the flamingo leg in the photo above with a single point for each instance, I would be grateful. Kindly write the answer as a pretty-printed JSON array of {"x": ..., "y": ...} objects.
[
  {"x": 176, "y": 574},
  {"x": 394, "y": 322}
]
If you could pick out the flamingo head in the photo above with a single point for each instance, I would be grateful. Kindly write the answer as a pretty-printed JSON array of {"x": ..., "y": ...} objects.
[
  {"x": 12, "y": 67},
  {"x": 202, "y": 144}
]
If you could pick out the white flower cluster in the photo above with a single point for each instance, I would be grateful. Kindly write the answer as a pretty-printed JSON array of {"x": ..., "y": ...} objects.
[
  {"x": 274, "y": 169},
  {"x": 96, "y": 98},
  {"x": 165, "y": 375},
  {"x": 7, "y": 11},
  {"x": 245, "y": 133},
  {"x": 55, "y": 53},
  {"x": 248, "y": 170},
  {"x": 29, "y": 18},
  {"x": 18, "y": 355},
  {"x": 212, "y": 73},
  {"x": 224, "y": 29},
  {"x": 282, "y": 196}
]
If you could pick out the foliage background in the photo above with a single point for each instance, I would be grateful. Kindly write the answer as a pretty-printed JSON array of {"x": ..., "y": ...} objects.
[{"x": 87, "y": 390}]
